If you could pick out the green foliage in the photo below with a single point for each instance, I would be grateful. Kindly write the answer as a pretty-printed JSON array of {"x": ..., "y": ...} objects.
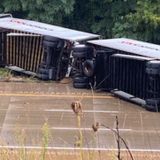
[
  {"x": 143, "y": 24},
  {"x": 136, "y": 19},
  {"x": 99, "y": 16},
  {"x": 50, "y": 11},
  {"x": 110, "y": 13},
  {"x": 4, "y": 73}
]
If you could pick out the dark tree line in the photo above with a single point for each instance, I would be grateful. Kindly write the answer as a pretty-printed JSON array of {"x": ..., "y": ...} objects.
[{"x": 138, "y": 19}]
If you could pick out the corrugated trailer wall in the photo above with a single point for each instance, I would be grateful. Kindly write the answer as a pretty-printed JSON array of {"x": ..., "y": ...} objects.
[
  {"x": 128, "y": 74},
  {"x": 24, "y": 50},
  {"x": 103, "y": 69}
]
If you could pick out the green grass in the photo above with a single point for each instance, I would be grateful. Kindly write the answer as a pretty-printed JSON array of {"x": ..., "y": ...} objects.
[
  {"x": 8, "y": 75},
  {"x": 4, "y": 73}
]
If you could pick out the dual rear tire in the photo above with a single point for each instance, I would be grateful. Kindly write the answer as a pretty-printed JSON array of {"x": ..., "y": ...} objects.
[{"x": 81, "y": 82}]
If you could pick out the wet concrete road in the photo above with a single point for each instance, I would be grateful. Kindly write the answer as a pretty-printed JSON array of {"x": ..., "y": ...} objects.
[{"x": 25, "y": 107}]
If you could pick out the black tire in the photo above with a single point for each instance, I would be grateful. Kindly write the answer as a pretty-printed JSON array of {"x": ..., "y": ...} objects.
[
  {"x": 81, "y": 80},
  {"x": 43, "y": 71},
  {"x": 88, "y": 68},
  {"x": 50, "y": 44},
  {"x": 80, "y": 85},
  {"x": 152, "y": 105},
  {"x": 79, "y": 54},
  {"x": 43, "y": 76},
  {"x": 51, "y": 39},
  {"x": 78, "y": 75},
  {"x": 82, "y": 48}
]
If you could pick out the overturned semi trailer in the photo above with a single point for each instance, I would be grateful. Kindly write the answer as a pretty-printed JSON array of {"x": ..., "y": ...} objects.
[
  {"x": 36, "y": 48},
  {"x": 128, "y": 68}
]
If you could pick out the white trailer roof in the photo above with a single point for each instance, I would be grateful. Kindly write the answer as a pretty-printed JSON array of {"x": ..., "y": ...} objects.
[
  {"x": 130, "y": 46},
  {"x": 45, "y": 29}
]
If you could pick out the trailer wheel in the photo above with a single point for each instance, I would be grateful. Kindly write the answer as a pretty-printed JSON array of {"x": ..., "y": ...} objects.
[
  {"x": 80, "y": 85},
  {"x": 88, "y": 68},
  {"x": 75, "y": 73},
  {"x": 81, "y": 80},
  {"x": 78, "y": 74}
]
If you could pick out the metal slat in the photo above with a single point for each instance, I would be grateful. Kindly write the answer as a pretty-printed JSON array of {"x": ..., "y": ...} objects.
[
  {"x": 32, "y": 55},
  {"x": 26, "y": 53},
  {"x": 24, "y": 50},
  {"x": 14, "y": 50},
  {"x": 40, "y": 53},
  {"x": 129, "y": 75},
  {"x": 36, "y": 54},
  {"x": 29, "y": 53},
  {"x": 20, "y": 51}
]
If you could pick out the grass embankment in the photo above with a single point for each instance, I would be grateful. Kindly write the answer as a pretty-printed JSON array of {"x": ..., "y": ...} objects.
[{"x": 7, "y": 75}]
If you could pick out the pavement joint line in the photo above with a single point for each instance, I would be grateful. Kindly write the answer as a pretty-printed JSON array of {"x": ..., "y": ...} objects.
[
  {"x": 56, "y": 95},
  {"x": 84, "y": 111},
  {"x": 77, "y": 149},
  {"x": 87, "y": 129},
  {"x": 83, "y": 129}
]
